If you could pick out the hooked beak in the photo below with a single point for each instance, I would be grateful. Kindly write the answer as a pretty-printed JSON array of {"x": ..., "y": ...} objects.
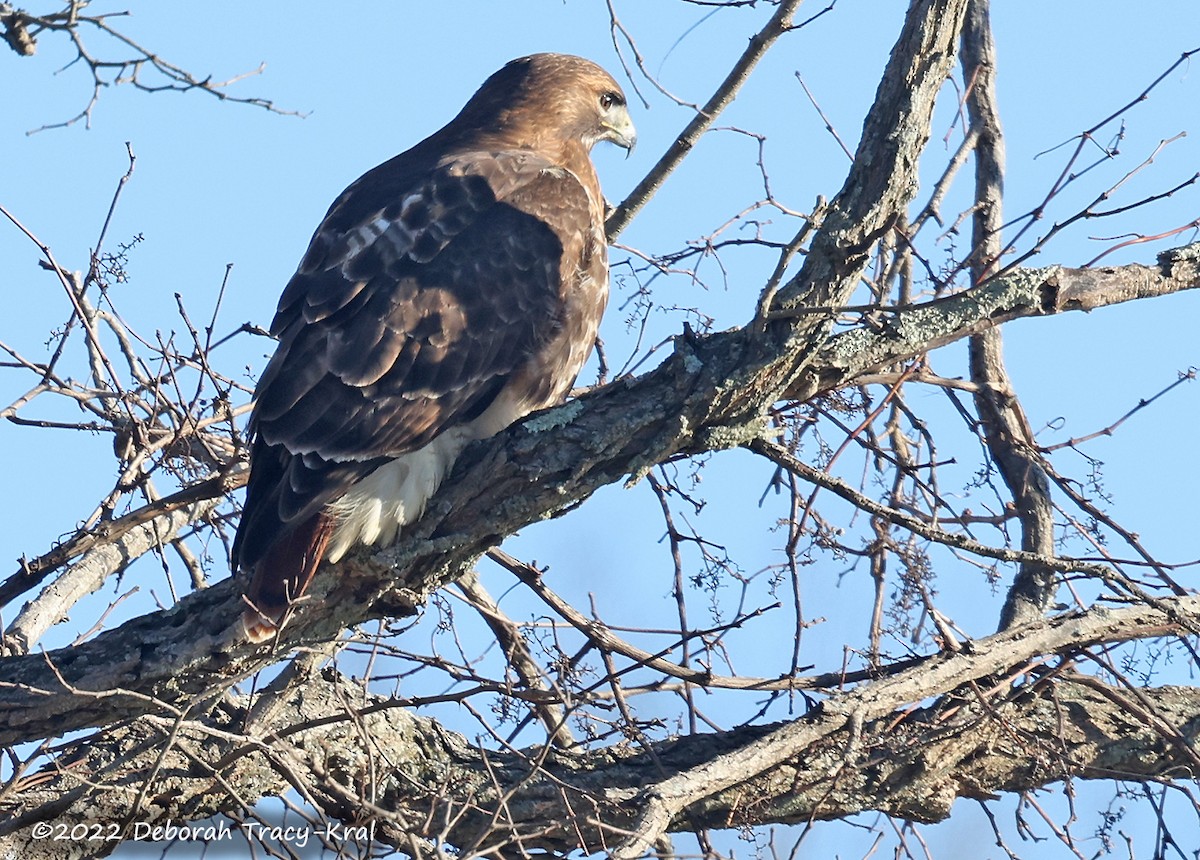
[{"x": 618, "y": 129}]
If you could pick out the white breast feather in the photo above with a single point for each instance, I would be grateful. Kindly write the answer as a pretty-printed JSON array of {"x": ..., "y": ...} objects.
[{"x": 394, "y": 495}]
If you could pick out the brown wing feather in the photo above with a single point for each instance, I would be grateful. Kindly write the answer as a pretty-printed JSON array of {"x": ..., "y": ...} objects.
[{"x": 405, "y": 322}]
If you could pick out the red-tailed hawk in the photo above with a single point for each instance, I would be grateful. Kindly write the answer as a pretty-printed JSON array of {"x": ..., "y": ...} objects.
[{"x": 447, "y": 293}]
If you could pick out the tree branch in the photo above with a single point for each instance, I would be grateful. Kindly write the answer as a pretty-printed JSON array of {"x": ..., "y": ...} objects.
[
  {"x": 706, "y": 396},
  {"x": 853, "y": 753},
  {"x": 779, "y": 23},
  {"x": 1005, "y": 428},
  {"x": 1017, "y": 294}
]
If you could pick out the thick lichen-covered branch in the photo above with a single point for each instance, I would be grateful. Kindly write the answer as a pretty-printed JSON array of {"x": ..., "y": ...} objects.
[
  {"x": 992, "y": 737},
  {"x": 520, "y": 478}
]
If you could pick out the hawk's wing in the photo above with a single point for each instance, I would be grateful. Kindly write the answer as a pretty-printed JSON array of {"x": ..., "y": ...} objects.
[{"x": 412, "y": 308}]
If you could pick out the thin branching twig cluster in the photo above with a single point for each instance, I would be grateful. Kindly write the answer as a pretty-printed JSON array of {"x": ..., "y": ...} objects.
[{"x": 120, "y": 60}]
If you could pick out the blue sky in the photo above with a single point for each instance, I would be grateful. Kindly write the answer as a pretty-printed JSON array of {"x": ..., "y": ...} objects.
[{"x": 218, "y": 183}]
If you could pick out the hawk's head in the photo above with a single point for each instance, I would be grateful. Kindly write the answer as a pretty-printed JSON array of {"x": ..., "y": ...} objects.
[{"x": 548, "y": 100}]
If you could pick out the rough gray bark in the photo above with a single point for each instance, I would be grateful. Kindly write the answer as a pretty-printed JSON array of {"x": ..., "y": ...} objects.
[
  {"x": 852, "y": 753},
  {"x": 1005, "y": 428},
  {"x": 154, "y": 663}
]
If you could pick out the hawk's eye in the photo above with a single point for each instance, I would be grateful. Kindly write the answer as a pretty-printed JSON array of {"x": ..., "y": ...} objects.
[{"x": 609, "y": 99}]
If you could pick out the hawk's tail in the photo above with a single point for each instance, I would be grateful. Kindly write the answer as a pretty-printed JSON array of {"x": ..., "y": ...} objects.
[{"x": 282, "y": 575}]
